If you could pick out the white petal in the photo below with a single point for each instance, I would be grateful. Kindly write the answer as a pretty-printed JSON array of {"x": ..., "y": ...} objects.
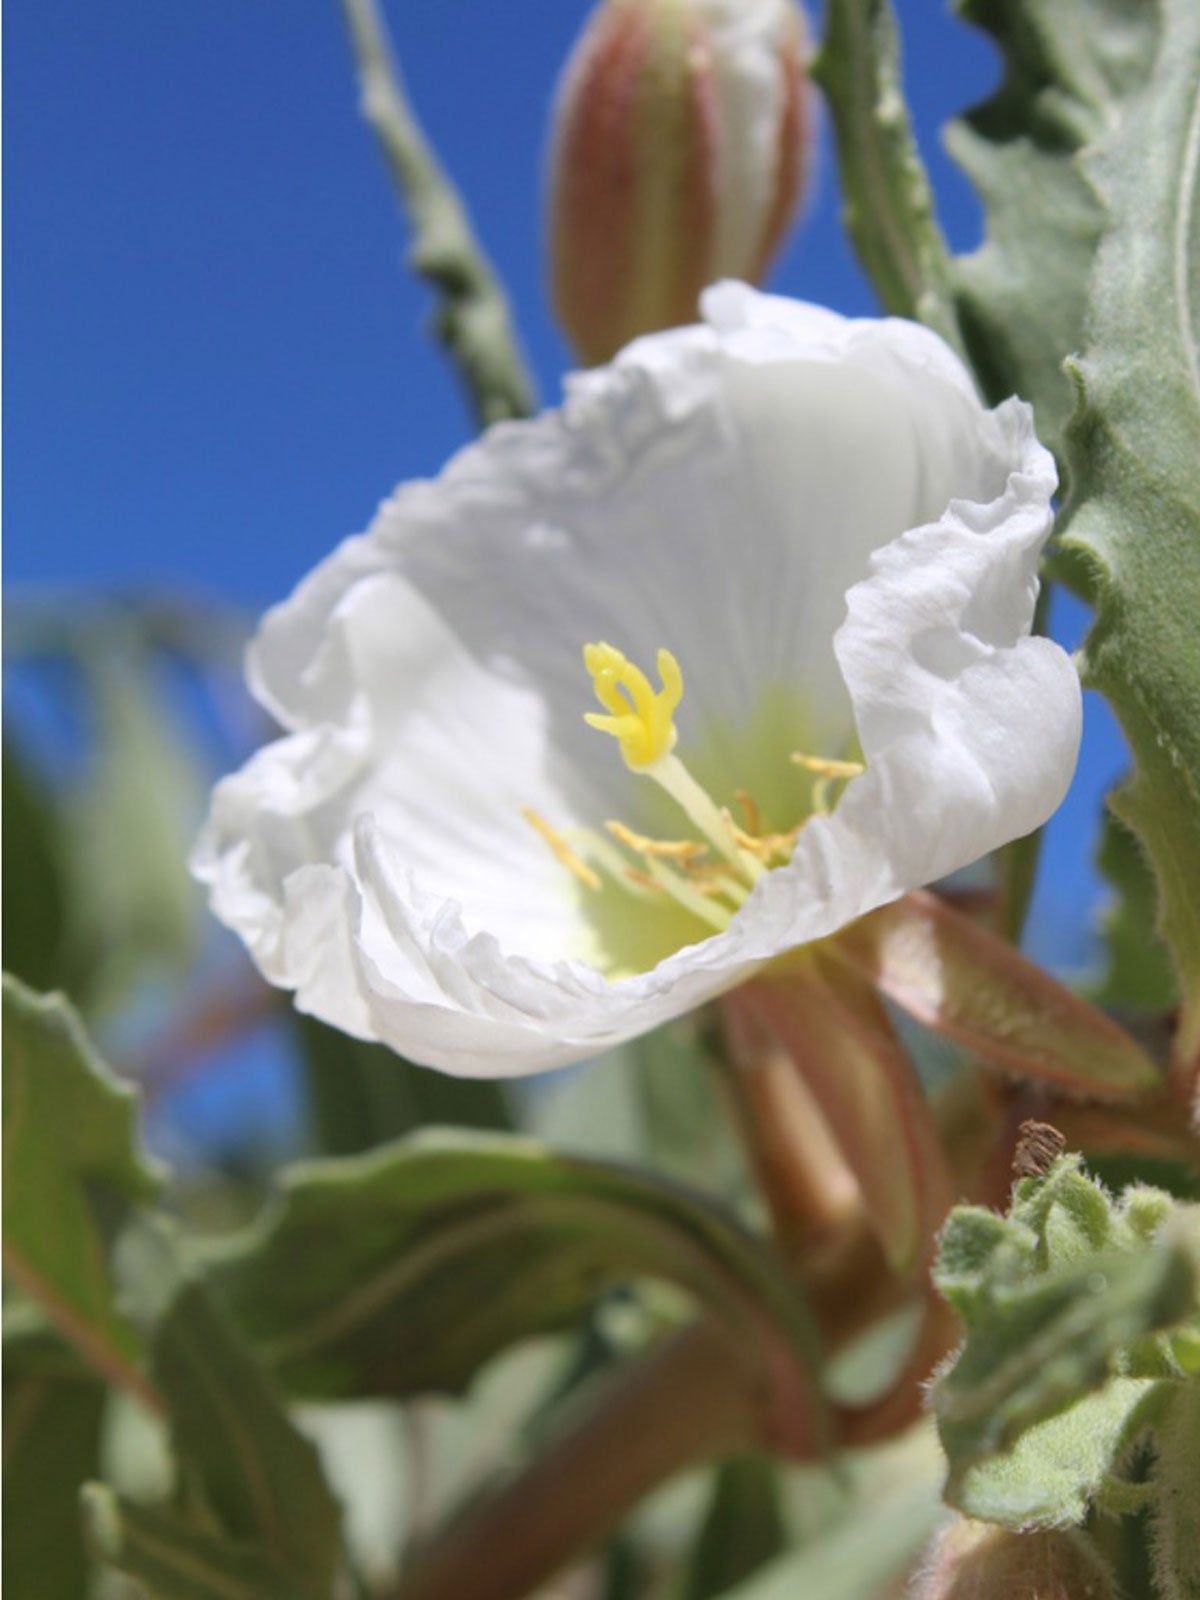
[{"x": 732, "y": 492}]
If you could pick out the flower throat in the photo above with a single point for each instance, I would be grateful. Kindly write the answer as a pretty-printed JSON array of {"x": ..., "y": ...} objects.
[{"x": 709, "y": 873}]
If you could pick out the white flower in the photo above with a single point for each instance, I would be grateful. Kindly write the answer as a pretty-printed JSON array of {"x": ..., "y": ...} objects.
[{"x": 838, "y": 545}]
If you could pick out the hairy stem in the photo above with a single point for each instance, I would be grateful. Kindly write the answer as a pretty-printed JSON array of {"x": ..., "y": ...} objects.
[{"x": 473, "y": 319}]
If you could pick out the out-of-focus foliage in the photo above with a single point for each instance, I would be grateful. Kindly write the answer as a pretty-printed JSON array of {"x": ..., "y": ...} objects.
[
  {"x": 360, "y": 1095},
  {"x": 421, "y": 1262},
  {"x": 34, "y": 893},
  {"x": 53, "y": 1414},
  {"x": 72, "y": 1167}
]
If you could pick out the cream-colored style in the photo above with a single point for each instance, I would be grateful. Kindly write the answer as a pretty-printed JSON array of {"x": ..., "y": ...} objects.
[{"x": 834, "y": 546}]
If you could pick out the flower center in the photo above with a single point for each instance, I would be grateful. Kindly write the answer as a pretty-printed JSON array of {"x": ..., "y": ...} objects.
[{"x": 710, "y": 872}]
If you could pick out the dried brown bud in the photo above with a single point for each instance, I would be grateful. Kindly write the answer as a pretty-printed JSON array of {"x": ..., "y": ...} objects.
[{"x": 1039, "y": 1146}]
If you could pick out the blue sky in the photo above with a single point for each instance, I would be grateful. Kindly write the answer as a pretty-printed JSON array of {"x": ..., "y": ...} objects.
[{"x": 215, "y": 364}]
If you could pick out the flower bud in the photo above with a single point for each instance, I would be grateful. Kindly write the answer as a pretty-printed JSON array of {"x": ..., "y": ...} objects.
[
  {"x": 680, "y": 144},
  {"x": 975, "y": 1561}
]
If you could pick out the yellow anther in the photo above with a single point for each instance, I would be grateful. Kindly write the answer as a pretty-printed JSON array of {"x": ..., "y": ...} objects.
[
  {"x": 827, "y": 772},
  {"x": 764, "y": 846},
  {"x": 640, "y": 718},
  {"x": 564, "y": 854},
  {"x": 684, "y": 850}
]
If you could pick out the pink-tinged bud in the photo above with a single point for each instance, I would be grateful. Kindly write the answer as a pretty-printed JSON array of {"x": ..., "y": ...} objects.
[
  {"x": 974, "y": 1561},
  {"x": 680, "y": 147}
]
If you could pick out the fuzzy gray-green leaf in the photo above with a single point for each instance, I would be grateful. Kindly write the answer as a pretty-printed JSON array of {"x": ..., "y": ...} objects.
[
  {"x": 1133, "y": 453},
  {"x": 1070, "y": 67}
]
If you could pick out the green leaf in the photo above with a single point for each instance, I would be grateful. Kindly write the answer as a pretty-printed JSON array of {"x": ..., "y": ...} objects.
[
  {"x": 361, "y": 1095},
  {"x": 1046, "y": 1344},
  {"x": 53, "y": 1411},
  {"x": 403, "y": 1271},
  {"x": 1138, "y": 975},
  {"x": 1080, "y": 1315},
  {"x": 134, "y": 908},
  {"x": 33, "y": 887},
  {"x": 1176, "y": 1513},
  {"x": 1070, "y": 67},
  {"x": 858, "y": 1558},
  {"x": 1133, "y": 452},
  {"x": 177, "y": 1560},
  {"x": 742, "y": 1530},
  {"x": 72, "y": 1172},
  {"x": 887, "y": 200},
  {"x": 258, "y": 1474},
  {"x": 1057, "y": 1467}
]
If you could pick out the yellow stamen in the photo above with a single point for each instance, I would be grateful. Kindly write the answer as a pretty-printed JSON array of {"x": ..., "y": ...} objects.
[
  {"x": 641, "y": 720},
  {"x": 826, "y": 767},
  {"x": 683, "y": 850},
  {"x": 750, "y": 810},
  {"x": 766, "y": 845},
  {"x": 828, "y": 772},
  {"x": 563, "y": 851}
]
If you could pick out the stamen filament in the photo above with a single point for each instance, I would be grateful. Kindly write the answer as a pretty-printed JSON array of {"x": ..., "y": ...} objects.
[
  {"x": 674, "y": 777},
  {"x": 563, "y": 852},
  {"x": 689, "y": 897},
  {"x": 669, "y": 849}
]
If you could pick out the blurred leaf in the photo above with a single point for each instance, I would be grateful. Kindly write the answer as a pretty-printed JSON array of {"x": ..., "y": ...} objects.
[
  {"x": 361, "y": 1095},
  {"x": 53, "y": 1411},
  {"x": 888, "y": 204},
  {"x": 1138, "y": 975},
  {"x": 402, "y": 1272},
  {"x": 742, "y": 1530},
  {"x": 955, "y": 977},
  {"x": 1133, "y": 452},
  {"x": 1070, "y": 67},
  {"x": 686, "y": 1129},
  {"x": 1176, "y": 1479},
  {"x": 134, "y": 909},
  {"x": 864, "y": 1552},
  {"x": 72, "y": 1170},
  {"x": 178, "y": 1560},
  {"x": 259, "y": 1475},
  {"x": 33, "y": 888}
]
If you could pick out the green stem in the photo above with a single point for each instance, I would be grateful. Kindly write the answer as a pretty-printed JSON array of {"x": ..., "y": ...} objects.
[{"x": 473, "y": 320}]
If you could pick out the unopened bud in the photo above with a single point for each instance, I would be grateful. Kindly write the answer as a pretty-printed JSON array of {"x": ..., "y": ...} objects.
[
  {"x": 680, "y": 146},
  {"x": 975, "y": 1561}
]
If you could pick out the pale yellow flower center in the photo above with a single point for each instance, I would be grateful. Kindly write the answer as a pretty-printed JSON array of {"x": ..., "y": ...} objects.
[{"x": 711, "y": 874}]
